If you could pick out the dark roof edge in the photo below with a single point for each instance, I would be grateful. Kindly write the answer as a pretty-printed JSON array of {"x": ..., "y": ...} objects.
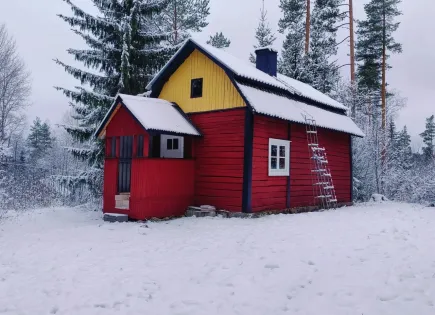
[
  {"x": 182, "y": 113},
  {"x": 299, "y": 123},
  {"x": 148, "y": 130},
  {"x": 278, "y": 91}
]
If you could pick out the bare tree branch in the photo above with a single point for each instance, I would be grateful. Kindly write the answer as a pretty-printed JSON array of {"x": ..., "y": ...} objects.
[{"x": 15, "y": 86}]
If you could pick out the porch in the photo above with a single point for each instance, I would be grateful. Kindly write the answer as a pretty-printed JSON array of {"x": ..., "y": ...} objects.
[{"x": 159, "y": 188}]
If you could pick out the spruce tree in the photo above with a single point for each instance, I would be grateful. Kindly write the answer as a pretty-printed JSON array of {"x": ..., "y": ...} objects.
[
  {"x": 124, "y": 52},
  {"x": 182, "y": 17},
  {"x": 219, "y": 41},
  {"x": 429, "y": 138},
  {"x": 325, "y": 18},
  {"x": 373, "y": 33},
  {"x": 39, "y": 139},
  {"x": 293, "y": 62},
  {"x": 263, "y": 34},
  {"x": 405, "y": 151}
]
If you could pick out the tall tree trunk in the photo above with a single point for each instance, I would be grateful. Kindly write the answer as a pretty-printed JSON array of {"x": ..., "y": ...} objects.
[
  {"x": 352, "y": 59},
  {"x": 308, "y": 27},
  {"x": 384, "y": 69},
  {"x": 352, "y": 43},
  {"x": 384, "y": 95},
  {"x": 175, "y": 22}
]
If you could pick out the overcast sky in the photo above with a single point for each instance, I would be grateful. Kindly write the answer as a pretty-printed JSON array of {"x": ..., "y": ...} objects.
[{"x": 41, "y": 36}]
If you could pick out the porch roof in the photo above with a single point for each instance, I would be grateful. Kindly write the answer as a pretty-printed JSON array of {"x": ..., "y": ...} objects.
[{"x": 153, "y": 114}]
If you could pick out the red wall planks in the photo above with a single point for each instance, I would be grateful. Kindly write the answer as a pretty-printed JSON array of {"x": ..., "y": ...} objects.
[
  {"x": 219, "y": 157},
  {"x": 110, "y": 184},
  {"x": 161, "y": 188},
  {"x": 268, "y": 192},
  {"x": 123, "y": 124},
  {"x": 338, "y": 151}
]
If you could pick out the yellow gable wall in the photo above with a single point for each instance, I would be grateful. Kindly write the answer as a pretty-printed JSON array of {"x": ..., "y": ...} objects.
[{"x": 218, "y": 91}]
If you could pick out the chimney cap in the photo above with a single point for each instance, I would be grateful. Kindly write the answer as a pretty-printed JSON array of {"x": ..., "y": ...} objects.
[{"x": 269, "y": 48}]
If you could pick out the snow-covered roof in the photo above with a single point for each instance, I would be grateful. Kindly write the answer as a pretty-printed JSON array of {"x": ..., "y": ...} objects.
[
  {"x": 292, "y": 110},
  {"x": 153, "y": 114},
  {"x": 267, "y": 48},
  {"x": 247, "y": 70},
  {"x": 307, "y": 91}
]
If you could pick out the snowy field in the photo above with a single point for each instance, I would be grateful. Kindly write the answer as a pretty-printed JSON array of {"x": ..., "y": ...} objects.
[{"x": 370, "y": 259}]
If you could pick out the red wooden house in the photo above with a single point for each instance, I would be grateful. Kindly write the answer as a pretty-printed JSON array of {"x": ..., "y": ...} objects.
[{"x": 219, "y": 131}]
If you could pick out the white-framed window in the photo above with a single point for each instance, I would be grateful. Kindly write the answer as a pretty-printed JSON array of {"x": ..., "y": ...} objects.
[
  {"x": 171, "y": 147},
  {"x": 279, "y": 157}
]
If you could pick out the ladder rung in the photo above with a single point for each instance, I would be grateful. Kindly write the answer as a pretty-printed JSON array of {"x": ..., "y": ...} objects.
[
  {"x": 320, "y": 183},
  {"x": 324, "y": 162},
  {"x": 318, "y": 149},
  {"x": 324, "y": 196},
  {"x": 313, "y": 145},
  {"x": 311, "y": 131},
  {"x": 318, "y": 171},
  {"x": 332, "y": 200},
  {"x": 328, "y": 187},
  {"x": 327, "y": 175}
]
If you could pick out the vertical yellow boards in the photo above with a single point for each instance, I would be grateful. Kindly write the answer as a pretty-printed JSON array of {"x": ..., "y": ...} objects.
[{"x": 218, "y": 91}]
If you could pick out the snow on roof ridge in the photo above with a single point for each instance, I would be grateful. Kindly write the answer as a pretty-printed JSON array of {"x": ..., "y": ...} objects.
[
  {"x": 153, "y": 114},
  {"x": 247, "y": 70}
]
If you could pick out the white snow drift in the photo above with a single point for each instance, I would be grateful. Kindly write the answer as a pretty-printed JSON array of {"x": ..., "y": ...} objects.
[{"x": 371, "y": 259}]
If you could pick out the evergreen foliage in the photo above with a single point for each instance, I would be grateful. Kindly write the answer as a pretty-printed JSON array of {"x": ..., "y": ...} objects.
[
  {"x": 429, "y": 138},
  {"x": 40, "y": 140},
  {"x": 182, "y": 17},
  {"x": 293, "y": 62},
  {"x": 372, "y": 34},
  {"x": 325, "y": 18},
  {"x": 263, "y": 34},
  {"x": 125, "y": 49},
  {"x": 219, "y": 41}
]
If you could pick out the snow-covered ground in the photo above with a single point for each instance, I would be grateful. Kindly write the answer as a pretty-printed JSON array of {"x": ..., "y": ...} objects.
[{"x": 369, "y": 259}]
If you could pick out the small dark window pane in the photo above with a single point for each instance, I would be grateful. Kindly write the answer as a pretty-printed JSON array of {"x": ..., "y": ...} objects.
[
  {"x": 196, "y": 88},
  {"x": 113, "y": 153},
  {"x": 274, "y": 150},
  {"x": 282, "y": 163},
  {"x": 175, "y": 144},
  {"x": 282, "y": 151},
  {"x": 169, "y": 144},
  {"x": 273, "y": 163},
  {"x": 139, "y": 146}
]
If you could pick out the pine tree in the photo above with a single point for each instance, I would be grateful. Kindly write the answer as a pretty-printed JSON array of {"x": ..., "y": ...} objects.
[
  {"x": 219, "y": 41},
  {"x": 39, "y": 139},
  {"x": 293, "y": 62},
  {"x": 326, "y": 16},
  {"x": 263, "y": 34},
  {"x": 429, "y": 138},
  {"x": 182, "y": 17},
  {"x": 125, "y": 51},
  {"x": 375, "y": 33}
]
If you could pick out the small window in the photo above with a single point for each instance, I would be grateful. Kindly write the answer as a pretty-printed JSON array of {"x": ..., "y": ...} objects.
[
  {"x": 196, "y": 88},
  {"x": 172, "y": 144},
  {"x": 279, "y": 157},
  {"x": 113, "y": 147},
  {"x": 140, "y": 146}
]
